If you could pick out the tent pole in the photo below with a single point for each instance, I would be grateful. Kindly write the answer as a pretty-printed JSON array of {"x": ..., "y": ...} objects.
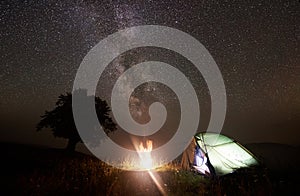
[
  {"x": 208, "y": 163},
  {"x": 204, "y": 143}
]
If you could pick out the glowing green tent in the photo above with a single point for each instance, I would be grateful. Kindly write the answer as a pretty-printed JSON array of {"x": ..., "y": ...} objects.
[{"x": 218, "y": 154}]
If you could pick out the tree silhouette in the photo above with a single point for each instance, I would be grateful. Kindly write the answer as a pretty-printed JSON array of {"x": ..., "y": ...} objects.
[{"x": 61, "y": 122}]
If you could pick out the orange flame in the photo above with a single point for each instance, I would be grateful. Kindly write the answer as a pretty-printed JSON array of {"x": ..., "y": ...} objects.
[
  {"x": 148, "y": 146},
  {"x": 145, "y": 154}
]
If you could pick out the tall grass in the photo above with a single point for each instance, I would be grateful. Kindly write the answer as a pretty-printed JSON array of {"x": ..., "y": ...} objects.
[{"x": 86, "y": 175}]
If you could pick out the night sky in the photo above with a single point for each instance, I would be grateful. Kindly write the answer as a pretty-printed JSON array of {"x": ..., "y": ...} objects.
[{"x": 255, "y": 45}]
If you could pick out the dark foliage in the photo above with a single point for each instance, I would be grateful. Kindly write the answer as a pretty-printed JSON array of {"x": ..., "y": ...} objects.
[{"x": 61, "y": 122}]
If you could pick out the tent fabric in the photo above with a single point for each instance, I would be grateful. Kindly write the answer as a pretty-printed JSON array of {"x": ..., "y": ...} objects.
[
  {"x": 213, "y": 138},
  {"x": 225, "y": 154},
  {"x": 188, "y": 156}
]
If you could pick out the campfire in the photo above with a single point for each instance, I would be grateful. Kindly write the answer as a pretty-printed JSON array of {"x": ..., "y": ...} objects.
[{"x": 145, "y": 155}]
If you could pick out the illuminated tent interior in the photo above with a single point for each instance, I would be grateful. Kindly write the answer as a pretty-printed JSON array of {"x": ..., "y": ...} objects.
[{"x": 216, "y": 154}]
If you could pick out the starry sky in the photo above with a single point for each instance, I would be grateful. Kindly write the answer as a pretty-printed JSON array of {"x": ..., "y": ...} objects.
[{"x": 255, "y": 44}]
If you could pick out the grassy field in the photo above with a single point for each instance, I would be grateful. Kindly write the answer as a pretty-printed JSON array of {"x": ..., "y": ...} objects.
[{"x": 29, "y": 170}]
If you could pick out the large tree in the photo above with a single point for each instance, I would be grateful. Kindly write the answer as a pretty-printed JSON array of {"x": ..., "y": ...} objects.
[{"x": 61, "y": 122}]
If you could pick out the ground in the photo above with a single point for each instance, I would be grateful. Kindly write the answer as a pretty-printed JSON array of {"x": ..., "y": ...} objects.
[{"x": 28, "y": 170}]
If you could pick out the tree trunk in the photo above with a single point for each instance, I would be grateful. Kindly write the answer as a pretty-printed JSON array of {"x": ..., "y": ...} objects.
[{"x": 71, "y": 145}]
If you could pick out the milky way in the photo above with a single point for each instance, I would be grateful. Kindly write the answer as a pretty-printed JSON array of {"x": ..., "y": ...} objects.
[{"x": 256, "y": 46}]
